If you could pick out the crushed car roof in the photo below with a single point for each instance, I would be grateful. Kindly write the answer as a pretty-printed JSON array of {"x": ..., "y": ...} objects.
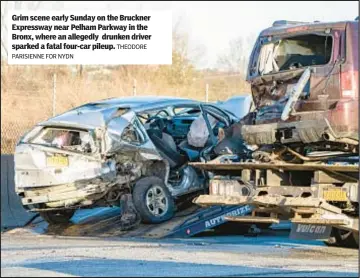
[
  {"x": 96, "y": 114},
  {"x": 143, "y": 103}
]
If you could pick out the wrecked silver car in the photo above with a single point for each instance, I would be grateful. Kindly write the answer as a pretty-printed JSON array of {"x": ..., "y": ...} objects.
[{"x": 134, "y": 149}]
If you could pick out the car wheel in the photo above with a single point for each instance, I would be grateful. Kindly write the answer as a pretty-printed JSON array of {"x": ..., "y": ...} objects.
[
  {"x": 57, "y": 217},
  {"x": 342, "y": 238},
  {"x": 153, "y": 200}
]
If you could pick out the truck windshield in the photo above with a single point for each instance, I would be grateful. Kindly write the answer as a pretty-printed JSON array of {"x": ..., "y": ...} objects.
[{"x": 294, "y": 52}]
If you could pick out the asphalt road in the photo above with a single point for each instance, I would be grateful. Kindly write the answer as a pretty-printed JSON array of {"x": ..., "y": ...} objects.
[{"x": 28, "y": 252}]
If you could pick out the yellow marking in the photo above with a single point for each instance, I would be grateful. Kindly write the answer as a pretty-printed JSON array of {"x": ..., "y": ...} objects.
[
  {"x": 335, "y": 195},
  {"x": 57, "y": 161}
]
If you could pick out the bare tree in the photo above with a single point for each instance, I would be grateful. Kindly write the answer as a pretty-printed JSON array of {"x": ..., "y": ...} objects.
[
  {"x": 182, "y": 70},
  {"x": 236, "y": 59},
  {"x": 193, "y": 53}
]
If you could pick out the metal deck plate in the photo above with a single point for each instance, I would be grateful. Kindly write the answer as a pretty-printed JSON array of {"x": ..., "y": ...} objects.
[{"x": 216, "y": 165}]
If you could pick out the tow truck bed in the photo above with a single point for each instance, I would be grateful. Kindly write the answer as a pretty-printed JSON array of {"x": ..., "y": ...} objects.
[
  {"x": 324, "y": 195},
  {"x": 216, "y": 165}
]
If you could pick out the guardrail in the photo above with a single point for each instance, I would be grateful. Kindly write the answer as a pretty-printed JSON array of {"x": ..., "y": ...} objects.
[{"x": 12, "y": 212}]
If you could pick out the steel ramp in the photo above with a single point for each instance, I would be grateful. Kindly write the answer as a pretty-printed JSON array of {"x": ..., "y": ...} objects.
[{"x": 207, "y": 219}]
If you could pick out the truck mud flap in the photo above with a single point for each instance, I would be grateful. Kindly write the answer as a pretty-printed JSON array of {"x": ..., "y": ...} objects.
[{"x": 310, "y": 231}]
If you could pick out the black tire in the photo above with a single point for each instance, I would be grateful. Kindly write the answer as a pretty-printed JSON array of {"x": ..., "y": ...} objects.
[
  {"x": 57, "y": 217},
  {"x": 140, "y": 192},
  {"x": 263, "y": 226},
  {"x": 342, "y": 238}
]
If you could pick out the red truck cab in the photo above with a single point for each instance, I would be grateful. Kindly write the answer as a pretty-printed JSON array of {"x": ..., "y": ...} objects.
[{"x": 324, "y": 57}]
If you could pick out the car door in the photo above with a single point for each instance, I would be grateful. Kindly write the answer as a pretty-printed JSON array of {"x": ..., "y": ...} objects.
[
  {"x": 128, "y": 133},
  {"x": 218, "y": 113},
  {"x": 223, "y": 120},
  {"x": 226, "y": 145}
]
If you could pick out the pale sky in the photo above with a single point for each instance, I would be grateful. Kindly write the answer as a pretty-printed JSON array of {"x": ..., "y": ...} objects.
[
  {"x": 211, "y": 25},
  {"x": 214, "y": 24}
]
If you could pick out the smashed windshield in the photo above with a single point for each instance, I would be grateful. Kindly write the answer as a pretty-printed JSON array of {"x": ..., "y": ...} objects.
[{"x": 294, "y": 52}]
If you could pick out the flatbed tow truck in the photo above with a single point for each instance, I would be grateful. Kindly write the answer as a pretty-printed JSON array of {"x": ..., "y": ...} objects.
[
  {"x": 304, "y": 85},
  {"x": 260, "y": 194},
  {"x": 304, "y": 163},
  {"x": 326, "y": 209}
]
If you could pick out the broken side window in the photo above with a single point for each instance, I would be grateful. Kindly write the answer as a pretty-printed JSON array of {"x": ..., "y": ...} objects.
[
  {"x": 295, "y": 52},
  {"x": 131, "y": 135},
  {"x": 162, "y": 113},
  {"x": 76, "y": 140}
]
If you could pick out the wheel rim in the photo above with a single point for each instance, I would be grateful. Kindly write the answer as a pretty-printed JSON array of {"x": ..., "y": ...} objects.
[{"x": 156, "y": 201}]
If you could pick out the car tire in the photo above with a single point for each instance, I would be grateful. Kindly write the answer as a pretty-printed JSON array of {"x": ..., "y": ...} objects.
[
  {"x": 346, "y": 239},
  {"x": 57, "y": 217},
  {"x": 263, "y": 226},
  {"x": 342, "y": 238},
  {"x": 153, "y": 201}
]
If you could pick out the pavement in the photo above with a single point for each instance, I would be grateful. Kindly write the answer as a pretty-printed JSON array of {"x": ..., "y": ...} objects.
[{"x": 31, "y": 252}]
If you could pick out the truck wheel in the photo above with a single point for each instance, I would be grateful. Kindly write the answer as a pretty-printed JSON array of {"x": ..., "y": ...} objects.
[
  {"x": 153, "y": 200},
  {"x": 57, "y": 217},
  {"x": 343, "y": 238},
  {"x": 346, "y": 238}
]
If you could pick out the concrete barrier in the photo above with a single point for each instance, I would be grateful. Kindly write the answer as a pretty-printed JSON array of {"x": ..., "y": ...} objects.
[{"x": 12, "y": 213}]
